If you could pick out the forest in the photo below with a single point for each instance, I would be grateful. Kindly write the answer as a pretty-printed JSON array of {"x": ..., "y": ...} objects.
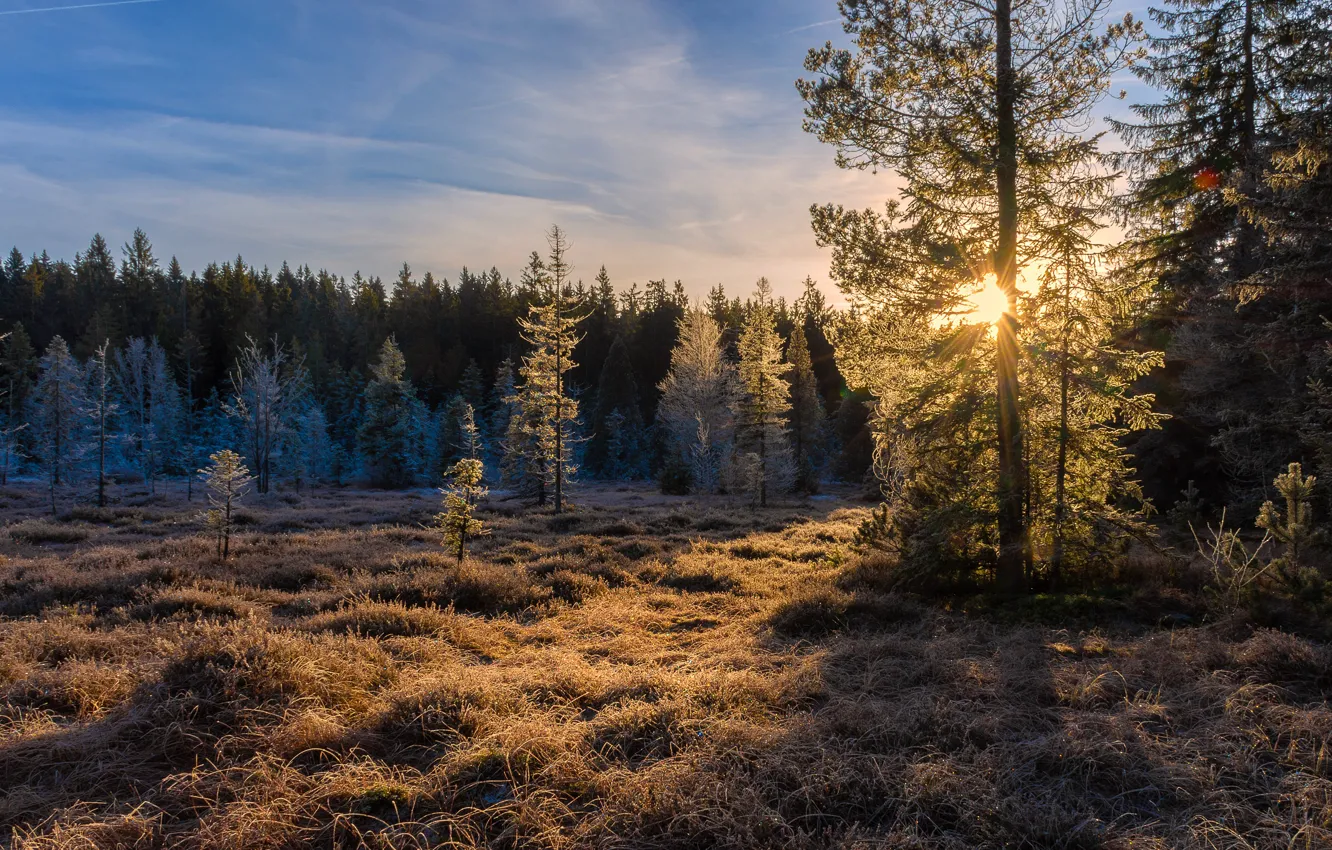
[
  {"x": 175, "y": 354},
  {"x": 1019, "y": 539}
]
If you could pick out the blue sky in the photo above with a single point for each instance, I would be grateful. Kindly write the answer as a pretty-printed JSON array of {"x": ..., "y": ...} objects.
[{"x": 356, "y": 134}]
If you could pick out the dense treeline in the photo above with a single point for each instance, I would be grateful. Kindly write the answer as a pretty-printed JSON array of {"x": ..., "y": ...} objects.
[{"x": 164, "y": 368}]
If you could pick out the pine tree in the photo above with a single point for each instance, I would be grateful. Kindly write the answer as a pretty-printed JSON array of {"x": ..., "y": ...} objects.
[
  {"x": 765, "y": 403},
  {"x": 502, "y": 406},
  {"x": 617, "y": 448},
  {"x": 472, "y": 387},
  {"x": 1293, "y": 529},
  {"x": 697, "y": 396},
  {"x": 458, "y": 521},
  {"x": 16, "y": 367},
  {"x": 541, "y": 436},
  {"x": 385, "y": 435},
  {"x": 974, "y": 105},
  {"x": 310, "y": 448},
  {"x": 1217, "y": 65},
  {"x": 807, "y": 420},
  {"x": 57, "y": 418},
  {"x": 227, "y": 480}
]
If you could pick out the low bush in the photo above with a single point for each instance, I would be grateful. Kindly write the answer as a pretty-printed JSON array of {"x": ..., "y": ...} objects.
[{"x": 44, "y": 531}]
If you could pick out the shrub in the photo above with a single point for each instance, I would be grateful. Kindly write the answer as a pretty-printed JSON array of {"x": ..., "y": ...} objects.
[{"x": 45, "y": 531}]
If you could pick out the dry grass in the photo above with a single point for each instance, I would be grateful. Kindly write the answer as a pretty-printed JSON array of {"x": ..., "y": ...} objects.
[{"x": 645, "y": 672}]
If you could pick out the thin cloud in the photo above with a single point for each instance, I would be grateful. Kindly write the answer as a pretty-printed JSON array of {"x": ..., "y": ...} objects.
[
  {"x": 814, "y": 25},
  {"x": 79, "y": 6}
]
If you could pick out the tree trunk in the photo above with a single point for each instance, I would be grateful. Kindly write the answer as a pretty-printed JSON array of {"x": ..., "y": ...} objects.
[
  {"x": 1012, "y": 480},
  {"x": 1248, "y": 242},
  {"x": 559, "y": 406},
  {"x": 1061, "y": 463}
]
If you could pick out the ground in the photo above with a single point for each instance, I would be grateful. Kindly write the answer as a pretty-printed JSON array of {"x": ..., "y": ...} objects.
[{"x": 645, "y": 671}]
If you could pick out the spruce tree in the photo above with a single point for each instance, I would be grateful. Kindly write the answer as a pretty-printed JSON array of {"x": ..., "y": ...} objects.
[
  {"x": 541, "y": 435},
  {"x": 227, "y": 480},
  {"x": 16, "y": 367},
  {"x": 458, "y": 521},
  {"x": 764, "y": 403},
  {"x": 617, "y": 447},
  {"x": 57, "y": 416},
  {"x": 807, "y": 420},
  {"x": 976, "y": 106},
  {"x": 385, "y": 437}
]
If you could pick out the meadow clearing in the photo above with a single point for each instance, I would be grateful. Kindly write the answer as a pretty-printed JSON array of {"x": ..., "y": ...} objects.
[{"x": 645, "y": 671}]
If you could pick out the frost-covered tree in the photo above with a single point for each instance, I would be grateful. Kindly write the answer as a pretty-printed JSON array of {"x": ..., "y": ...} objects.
[
  {"x": 458, "y": 521},
  {"x": 227, "y": 480},
  {"x": 386, "y": 434},
  {"x": 764, "y": 402},
  {"x": 502, "y": 410},
  {"x": 806, "y": 425},
  {"x": 103, "y": 409},
  {"x": 310, "y": 448},
  {"x": 152, "y": 405},
  {"x": 268, "y": 390},
  {"x": 697, "y": 396},
  {"x": 57, "y": 414},
  {"x": 541, "y": 434}
]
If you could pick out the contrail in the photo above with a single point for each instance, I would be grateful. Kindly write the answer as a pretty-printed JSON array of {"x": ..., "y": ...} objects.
[
  {"x": 80, "y": 6},
  {"x": 813, "y": 25}
]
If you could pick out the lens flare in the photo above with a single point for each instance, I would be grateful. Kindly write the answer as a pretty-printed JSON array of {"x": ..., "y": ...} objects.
[{"x": 988, "y": 303}]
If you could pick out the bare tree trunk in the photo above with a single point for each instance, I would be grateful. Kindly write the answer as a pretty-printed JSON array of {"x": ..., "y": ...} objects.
[{"x": 1012, "y": 480}]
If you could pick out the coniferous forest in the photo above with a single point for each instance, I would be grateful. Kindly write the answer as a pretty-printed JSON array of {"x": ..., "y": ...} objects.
[
  {"x": 374, "y": 377},
  {"x": 1013, "y": 533}
]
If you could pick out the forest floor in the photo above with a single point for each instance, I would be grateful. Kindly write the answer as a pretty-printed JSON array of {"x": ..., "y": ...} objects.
[{"x": 646, "y": 671}]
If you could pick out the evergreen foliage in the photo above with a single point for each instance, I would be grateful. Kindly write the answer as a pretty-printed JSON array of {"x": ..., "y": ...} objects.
[
  {"x": 696, "y": 412},
  {"x": 764, "y": 403},
  {"x": 458, "y": 521},
  {"x": 807, "y": 420},
  {"x": 618, "y": 446},
  {"x": 57, "y": 414},
  {"x": 227, "y": 480},
  {"x": 974, "y": 105},
  {"x": 541, "y": 432},
  {"x": 385, "y": 436}
]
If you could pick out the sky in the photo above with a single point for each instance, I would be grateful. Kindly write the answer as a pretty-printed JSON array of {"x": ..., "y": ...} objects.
[{"x": 664, "y": 137}]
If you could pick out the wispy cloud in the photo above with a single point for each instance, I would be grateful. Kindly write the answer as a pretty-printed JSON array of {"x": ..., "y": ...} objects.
[
  {"x": 381, "y": 133},
  {"x": 814, "y": 25},
  {"x": 78, "y": 6}
]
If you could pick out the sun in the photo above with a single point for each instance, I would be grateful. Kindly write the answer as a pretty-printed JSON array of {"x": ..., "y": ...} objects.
[{"x": 988, "y": 304}]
